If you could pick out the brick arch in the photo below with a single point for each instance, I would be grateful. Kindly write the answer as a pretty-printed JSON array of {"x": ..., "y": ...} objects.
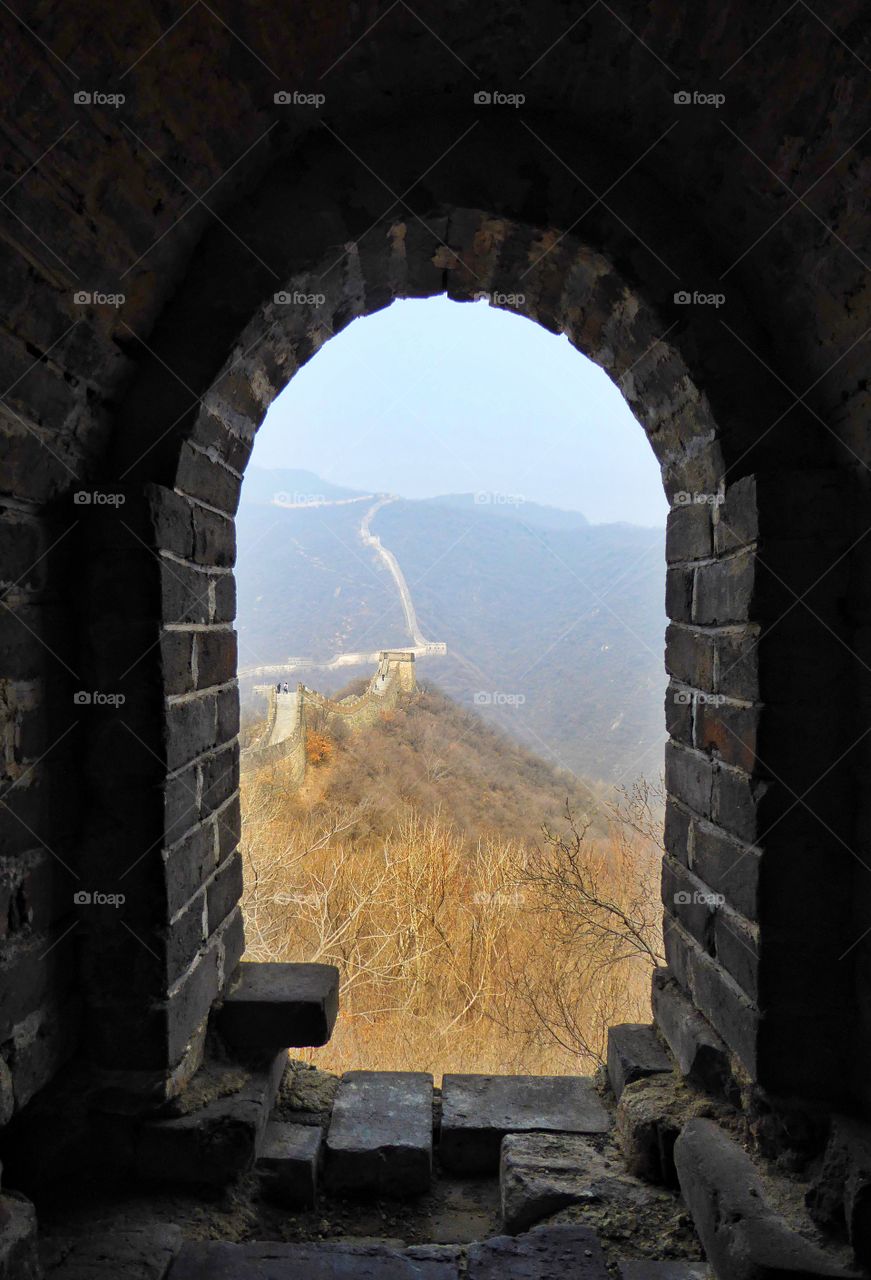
[{"x": 733, "y": 707}]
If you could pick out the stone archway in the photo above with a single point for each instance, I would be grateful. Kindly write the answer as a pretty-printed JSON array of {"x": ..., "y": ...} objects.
[{"x": 733, "y": 707}]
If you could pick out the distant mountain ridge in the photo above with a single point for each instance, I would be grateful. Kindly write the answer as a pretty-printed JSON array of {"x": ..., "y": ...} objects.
[{"x": 554, "y": 626}]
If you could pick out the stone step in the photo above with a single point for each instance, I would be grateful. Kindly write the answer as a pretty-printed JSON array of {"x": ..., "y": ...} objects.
[
  {"x": 215, "y": 1142},
  {"x": 219, "y": 1261},
  {"x": 141, "y": 1253},
  {"x": 280, "y": 1006},
  {"x": 634, "y": 1052},
  {"x": 547, "y": 1253},
  {"x": 478, "y": 1111},
  {"x": 380, "y": 1137},
  {"x": 289, "y": 1163},
  {"x": 644, "y": 1269},
  {"x": 18, "y": 1241},
  {"x": 743, "y": 1237}
]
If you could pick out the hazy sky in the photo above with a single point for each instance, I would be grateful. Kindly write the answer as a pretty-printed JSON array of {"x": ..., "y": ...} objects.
[{"x": 432, "y": 396}]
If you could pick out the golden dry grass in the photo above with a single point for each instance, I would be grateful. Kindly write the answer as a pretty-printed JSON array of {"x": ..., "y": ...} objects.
[{"x": 487, "y": 956}]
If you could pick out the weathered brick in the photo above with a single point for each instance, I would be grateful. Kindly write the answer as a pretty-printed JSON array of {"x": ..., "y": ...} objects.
[
  {"x": 689, "y": 656},
  {"x": 202, "y": 478},
  {"x": 188, "y": 865},
  {"x": 191, "y": 728},
  {"x": 689, "y": 533},
  {"x": 679, "y": 713},
  {"x": 215, "y": 651},
  {"x": 724, "y": 591},
  {"x": 214, "y": 538},
  {"x": 729, "y": 731},
  {"x": 679, "y": 593},
  {"x": 225, "y": 890},
  {"x": 729, "y": 867},
  {"x": 689, "y": 777}
]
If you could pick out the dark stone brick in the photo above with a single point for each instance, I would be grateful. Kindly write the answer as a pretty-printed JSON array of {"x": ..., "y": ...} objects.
[
  {"x": 728, "y": 731},
  {"x": 727, "y": 866},
  {"x": 689, "y": 534},
  {"x": 185, "y": 593},
  {"x": 220, "y": 776},
  {"x": 679, "y": 713},
  {"x": 215, "y": 656},
  {"x": 176, "y": 653},
  {"x": 737, "y": 949},
  {"x": 189, "y": 865},
  {"x": 224, "y": 890},
  {"x": 699, "y": 1052},
  {"x": 678, "y": 825},
  {"x": 212, "y": 483},
  {"x": 634, "y": 1052},
  {"x": 689, "y": 656},
  {"x": 280, "y": 1006},
  {"x": 229, "y": 824},
  {"x": 689, "y": 777},
  {"x": 191, "y": 729},
  {"x": 214, "y": 538},
  {"x": 679, "y": 594},
  {"x": 184, "y": 938},
  {"x": 724, "y": 591}
]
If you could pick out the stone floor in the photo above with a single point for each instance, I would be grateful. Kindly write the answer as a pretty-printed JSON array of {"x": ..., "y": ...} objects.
[{"x": 350, "y": 1183}]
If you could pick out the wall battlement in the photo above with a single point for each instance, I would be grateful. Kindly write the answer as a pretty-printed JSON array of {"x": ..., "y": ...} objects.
[{"x": 290, "y": 716}]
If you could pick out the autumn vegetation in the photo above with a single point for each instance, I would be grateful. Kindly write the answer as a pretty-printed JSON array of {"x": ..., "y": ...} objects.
[{"x": 486, "y": 912}]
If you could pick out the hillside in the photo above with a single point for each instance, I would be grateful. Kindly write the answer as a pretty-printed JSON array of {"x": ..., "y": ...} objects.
[
  {"x": 553, "y": 626},
  {"x": 445, "y": 761},
  {"x": 413, "y": 857}
]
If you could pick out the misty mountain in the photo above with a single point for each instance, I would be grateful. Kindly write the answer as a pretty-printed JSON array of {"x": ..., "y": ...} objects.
[{"x": 554, "y": 627}]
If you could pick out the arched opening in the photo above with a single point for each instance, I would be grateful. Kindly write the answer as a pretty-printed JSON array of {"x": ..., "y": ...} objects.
[
  {"x": 722, "y": 798},
  {"x": 418, "y": 490}
]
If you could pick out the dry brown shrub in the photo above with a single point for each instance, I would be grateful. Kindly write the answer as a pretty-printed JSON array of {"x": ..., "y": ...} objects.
[{"x": 497, "y": 956}]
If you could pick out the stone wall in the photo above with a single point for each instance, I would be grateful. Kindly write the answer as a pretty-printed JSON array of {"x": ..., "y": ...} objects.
[
  {"x": 201, "y": 200},
  {"x": 393, "y": 680}
]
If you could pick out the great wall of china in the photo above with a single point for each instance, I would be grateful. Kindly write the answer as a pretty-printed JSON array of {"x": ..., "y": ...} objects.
[{"x": 291, "y": 715}]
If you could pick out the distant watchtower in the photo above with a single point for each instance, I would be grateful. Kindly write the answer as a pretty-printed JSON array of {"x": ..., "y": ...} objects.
[{"x": 401, "y": 661}]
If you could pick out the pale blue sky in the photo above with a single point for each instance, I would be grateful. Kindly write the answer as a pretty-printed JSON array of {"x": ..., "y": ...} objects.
[{"x": 431, "y": 396}]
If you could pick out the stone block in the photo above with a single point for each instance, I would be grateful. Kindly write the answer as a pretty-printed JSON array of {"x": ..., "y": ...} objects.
[
  {"x": 217, "y": 1260},
  {"x": 143, "y": 1253},
  {"x": 288, "y": 1163},
  {"x": 545, "y": 1252},
  {"x": 18, "y": 1243},
  {"x": 699, "y": 1052},
  {"x": 542, "y": 1173},
  {"x": 676, "y": 1269},
  {"x": 270, "y": 1006},
  {"x": 214, "y": 1142},
  {"x": 634, "y": 1051},
  {"x": 479, "y": 1110},
  {"x": 380, "y": 1137},
  {"x": 840, "y": 1195},
  {"x": 743, "y": 1237}
]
